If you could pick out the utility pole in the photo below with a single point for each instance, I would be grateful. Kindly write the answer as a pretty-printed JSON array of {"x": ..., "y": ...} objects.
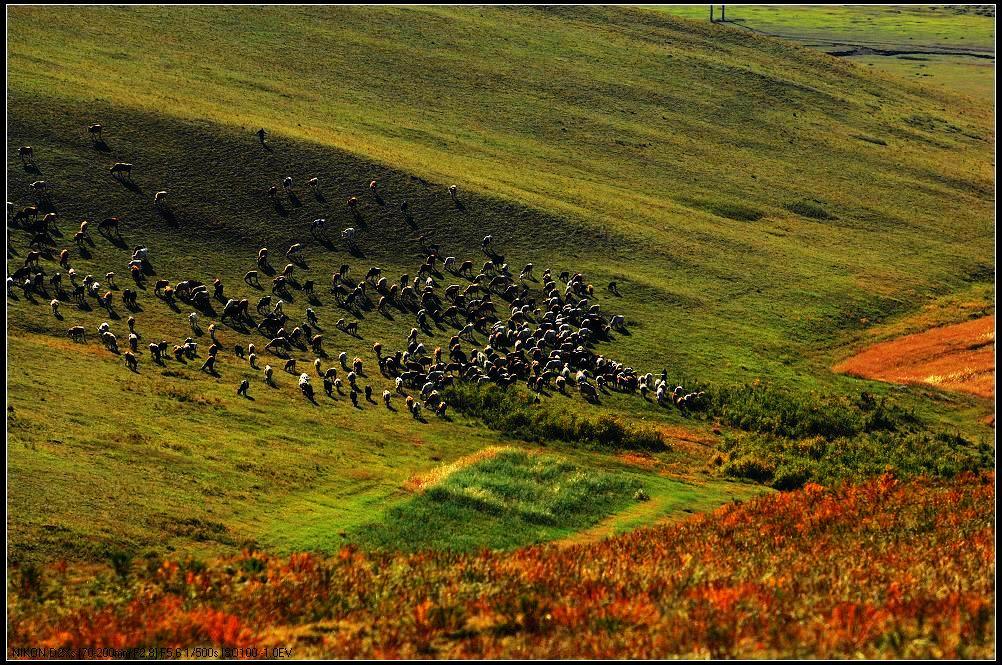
[
  {"x": 723, "y": 12},
  {"x": 711, "y": 13}
]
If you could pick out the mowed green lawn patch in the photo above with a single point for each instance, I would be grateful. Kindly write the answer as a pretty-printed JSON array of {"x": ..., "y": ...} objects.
[{"x": 517, "y": 497}]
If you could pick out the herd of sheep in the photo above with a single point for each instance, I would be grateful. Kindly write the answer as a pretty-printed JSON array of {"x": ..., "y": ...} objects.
[{"x": 504, "y": 332}]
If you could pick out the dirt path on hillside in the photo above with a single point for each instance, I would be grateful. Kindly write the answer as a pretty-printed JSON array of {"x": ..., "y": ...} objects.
[
  {"x": 643, "y": 510},
  {"x": 956, "y": 357}
]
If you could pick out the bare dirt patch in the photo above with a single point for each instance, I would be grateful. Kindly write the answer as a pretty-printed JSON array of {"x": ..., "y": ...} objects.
[{"x": 956, "y": 357}]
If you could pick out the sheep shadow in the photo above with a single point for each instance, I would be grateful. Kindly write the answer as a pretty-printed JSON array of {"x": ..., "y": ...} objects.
[
  {"x": 314, "y": 300},
  {"x": 379, "y": 199},
  {"x": 31, "y": 167},
  {"x": 459, "y": 205},
  {"x": 168, "y": 215},
  {"x": 248, "y": 397},
  {"x": 101, "y": 146},
  {"x": 294, "y": 200},
  {"x": 267, "y": 269},
  {"x": 326, "y": 243},
  {"x": 280, "y": 209},
  {"x": 319, "y": 196},
  {"x": 356, "y": 252},
  {"x": 84, "y": 252},
  {"x": 116, "y": 241},
  {"x": 130, "y": 185},
  {"x": 386, "y": 315}
]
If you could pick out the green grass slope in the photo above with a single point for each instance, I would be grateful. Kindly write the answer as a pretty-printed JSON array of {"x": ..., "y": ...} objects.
[
  {"x": 756, "y": 202},
  {"x": 694, "y": 141},
  {"x": 947, "y": 47}
]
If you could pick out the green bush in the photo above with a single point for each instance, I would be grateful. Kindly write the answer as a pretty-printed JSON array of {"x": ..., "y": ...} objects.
[
  {"x": 788, "y": 464},
  {"x": 810, "y": 209},
  {"x": 511, "y": 412},
  {"x": 767, "y": 410}
]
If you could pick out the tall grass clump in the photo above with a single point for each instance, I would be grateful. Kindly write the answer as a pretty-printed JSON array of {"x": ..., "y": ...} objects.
[{"x": 767, "y": 410}]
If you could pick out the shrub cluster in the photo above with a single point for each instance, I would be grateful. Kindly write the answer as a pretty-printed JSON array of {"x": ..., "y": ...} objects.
[{"x": 511, "y": 412}]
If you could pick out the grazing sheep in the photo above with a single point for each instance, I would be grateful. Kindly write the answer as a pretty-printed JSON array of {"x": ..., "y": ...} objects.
[
  {"x": 452, "y": 192},
  {"x": 26, "y": 153},
  {"x": 95, "y": 132},
  {"x": 290, "y": 365},
  {"x": 305, "y": 387},
  {"x": 387, "y": 395},
  {"x": 110, "y": 276},
  {"x": 77, "y": 333},
  {"x": 294, "y": 250},
  {"x": 314, "y": 183},
  {"x": 160, "y": 200},
  {"x": 244, "y": 387},
  {"x": 372, "y": 186},
  {"x": 122, "y": 169},
  {"x": 317, "y": 343},
  {"x": 209, "y": 365},
  {"x": 273, "y": 192},
  {"x": 287, "y": 183},
  {"x": 131, "y": 362},
  {"x": 288, "y": 270},
  {"x": 268, "y": 374},
  {"x": 261, "y": 134},
  {"x": 251, "y": 278},
  {"x": 352, "y": 202},
  {"x": 110, "y": 341},
  {"x": 31, "y": 259},
  {"x": 24, "y": 213}
]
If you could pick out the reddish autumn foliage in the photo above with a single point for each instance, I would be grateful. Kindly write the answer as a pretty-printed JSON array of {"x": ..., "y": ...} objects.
[{"x": 881, "y": 569}]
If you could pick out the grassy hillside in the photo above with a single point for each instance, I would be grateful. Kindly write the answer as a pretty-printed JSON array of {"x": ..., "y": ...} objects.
[
  {"x": 760, "y": 205},
  {"x": 887, "y": 569},
  {"x": 947, "y": 47},
  {"x": 696, "y": 142}
]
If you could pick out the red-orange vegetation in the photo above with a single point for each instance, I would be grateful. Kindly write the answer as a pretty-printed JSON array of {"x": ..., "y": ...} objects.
[{"x": 886, "y": 568}]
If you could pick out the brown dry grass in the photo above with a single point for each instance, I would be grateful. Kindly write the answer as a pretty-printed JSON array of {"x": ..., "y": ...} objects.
[{"x": 956, "y": 357}]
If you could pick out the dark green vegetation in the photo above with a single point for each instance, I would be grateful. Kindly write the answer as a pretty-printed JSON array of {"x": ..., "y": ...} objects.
[
  {"x": 691, "y": 163},
  {"x": 786, "y": 464},
  {"x": 516, "y": 415}
]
